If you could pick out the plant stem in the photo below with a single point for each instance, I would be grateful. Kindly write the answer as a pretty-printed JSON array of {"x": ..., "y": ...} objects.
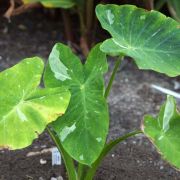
[
  {"x": 149, "y": 4},
  {"x": 108, "y": 147},
  {"x": 81, "y": 20},
  {"x": 108, "y": 89},
  {"x": 81, "y": 171},
  {"x": 89, "y": 13},
  {"x": 23, "y": 8},
  {"x": 89, "y": 20},
  {"x": 67, "y": 25},
  {"x": 83, "y": 38},
  {"x": 69, "y": 163}
]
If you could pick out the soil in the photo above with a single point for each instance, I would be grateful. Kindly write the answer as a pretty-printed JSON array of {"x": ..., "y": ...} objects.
[{"x": 131, "y": 98}]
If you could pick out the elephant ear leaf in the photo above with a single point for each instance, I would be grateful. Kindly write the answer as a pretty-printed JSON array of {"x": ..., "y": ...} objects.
[
  {"x": 164, "y": 130},
  {"x": 26, "y": 109},
  {"x": 83, "y": 129},
  {"x": 149, "y": 37}
]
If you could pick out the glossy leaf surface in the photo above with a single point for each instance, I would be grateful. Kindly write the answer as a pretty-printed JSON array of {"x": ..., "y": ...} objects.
[
  {"x": 84, "y": 127},
  {"x": 25, "y": 109},
  {"x": 53, "y": 3},
  {"x": 150, "y": 38},
  {"x": 164, "y": 131}
]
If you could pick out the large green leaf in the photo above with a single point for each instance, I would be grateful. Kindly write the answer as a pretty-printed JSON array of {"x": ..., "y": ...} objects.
[
  {"x": 152, "y": 39},
  {"x": 53, "y": 3},
  {"x": 164, "y": 131},
  {"x": 84, "y": 127},
  {"x": 174, "y": 8},
  {"x": 25, "y": 109}
]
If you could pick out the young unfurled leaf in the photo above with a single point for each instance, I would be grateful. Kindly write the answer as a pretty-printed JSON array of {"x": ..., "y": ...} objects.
[
  {"x": 152, "y": 39},
  {"x": 54, "y": 3},
  {"x": 164, "y": 130},
  {"x": 25, "y": 110},
  {"x": 84, "y": 127}
]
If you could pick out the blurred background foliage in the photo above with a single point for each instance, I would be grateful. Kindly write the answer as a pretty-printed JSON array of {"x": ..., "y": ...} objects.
[{"x": 82, "y": 12}]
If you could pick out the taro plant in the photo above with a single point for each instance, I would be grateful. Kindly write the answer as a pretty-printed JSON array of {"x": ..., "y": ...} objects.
[{"x": 73, "y": 105}]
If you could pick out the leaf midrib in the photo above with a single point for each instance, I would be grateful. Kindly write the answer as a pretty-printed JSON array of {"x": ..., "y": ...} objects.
[{"x": 131, "y": 48}]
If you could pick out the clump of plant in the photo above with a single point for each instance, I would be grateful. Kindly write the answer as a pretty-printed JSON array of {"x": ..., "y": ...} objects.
[
  {"x": 73, "y": 105},
  {"x": 84, "y": 10}
]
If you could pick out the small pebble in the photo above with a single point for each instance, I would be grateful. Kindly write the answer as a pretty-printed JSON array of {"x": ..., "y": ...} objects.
[
  {"x": 126, "y": 80},
  {"x": 161, "y": 167},
  {"x": 22, "y": 27},
  {"x": 42, "y": 161},
  {"x": 60, "y": 178},
  {"x": 43, "y": 146},
  {"x": 53, "y": 178},
  {"x": 176, "y": 85},
  {"x": 57, "y": 178}
]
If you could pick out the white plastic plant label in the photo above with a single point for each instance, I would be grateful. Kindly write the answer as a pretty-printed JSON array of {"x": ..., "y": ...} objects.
[{"x": 56, "y": 157}]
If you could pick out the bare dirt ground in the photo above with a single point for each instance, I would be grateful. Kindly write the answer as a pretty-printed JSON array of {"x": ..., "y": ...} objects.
[{"x": 131, "y": 98}]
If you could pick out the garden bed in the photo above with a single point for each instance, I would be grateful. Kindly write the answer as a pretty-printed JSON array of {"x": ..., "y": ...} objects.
[{"x": 131, "y": 98}]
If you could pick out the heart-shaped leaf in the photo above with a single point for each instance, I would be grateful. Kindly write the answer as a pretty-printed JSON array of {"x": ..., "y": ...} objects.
[
  {"x": 84, "y": 127},
  {"x": 164, "y": 131},
  {"x": 152, "y": 39},
  {"x": 53, "y": 3},
  {"x": 25, "y": 109}
]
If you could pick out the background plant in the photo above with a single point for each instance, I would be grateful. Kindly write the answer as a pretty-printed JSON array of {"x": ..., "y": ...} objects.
[
  {"x": 173, "y": 6},
  {"x": 84, "y": 10},
  {"x": 152, "y": 40}
]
